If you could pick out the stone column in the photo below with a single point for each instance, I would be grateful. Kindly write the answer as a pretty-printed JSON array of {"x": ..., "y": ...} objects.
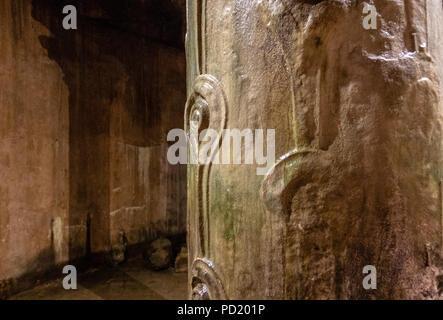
[{"x": 358, "y": 132}]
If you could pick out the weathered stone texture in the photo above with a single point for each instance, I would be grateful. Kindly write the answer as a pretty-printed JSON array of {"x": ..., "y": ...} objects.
[
  {"x": 358, "y": 126},
  {"x": 34, "y": 147},
  {"x": 84, "y": 118}
]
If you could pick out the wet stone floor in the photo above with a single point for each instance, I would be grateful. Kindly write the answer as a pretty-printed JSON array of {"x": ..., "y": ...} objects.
[{"x": 130, "y": 281}]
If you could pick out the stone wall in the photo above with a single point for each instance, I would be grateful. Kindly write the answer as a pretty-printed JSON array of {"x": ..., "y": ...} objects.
[
  {"x": 34, "y": 149},
  {"x": 84, "y": 117}
]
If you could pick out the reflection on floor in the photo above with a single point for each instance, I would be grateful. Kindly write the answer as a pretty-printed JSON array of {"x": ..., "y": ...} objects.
[{"x": 130, "y": 281}]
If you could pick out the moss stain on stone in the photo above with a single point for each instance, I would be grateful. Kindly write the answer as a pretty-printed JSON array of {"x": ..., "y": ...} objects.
[{"x": 225, "y": 208}]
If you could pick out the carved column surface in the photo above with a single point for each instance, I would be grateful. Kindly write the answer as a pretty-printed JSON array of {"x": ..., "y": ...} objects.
[{"x": 357, "y": 116}]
